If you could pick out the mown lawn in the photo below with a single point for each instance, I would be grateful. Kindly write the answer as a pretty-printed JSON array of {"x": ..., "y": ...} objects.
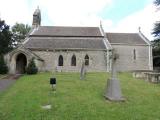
[{"x": 79, "y": 100}]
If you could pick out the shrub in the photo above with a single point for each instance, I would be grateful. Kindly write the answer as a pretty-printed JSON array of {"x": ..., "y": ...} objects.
[
  {"x": 32, "y": 69},
  {"x": 3, "y": 66}
]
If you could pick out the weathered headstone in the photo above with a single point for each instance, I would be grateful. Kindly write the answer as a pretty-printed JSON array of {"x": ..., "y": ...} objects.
[
  {"x": 82, "y": 74},
  {"x": 53, "y": 83},
  {"x": 113, "y": 90},
  {"x": 53, "y": 80}
]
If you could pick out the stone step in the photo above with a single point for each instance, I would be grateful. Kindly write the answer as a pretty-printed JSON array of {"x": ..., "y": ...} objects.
[{"x": 12, "y": 76}]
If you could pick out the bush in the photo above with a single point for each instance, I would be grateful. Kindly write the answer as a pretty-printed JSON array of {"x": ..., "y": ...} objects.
[
  {"x": 3, "y": 66},
  {"x": 32, "y": 69}
]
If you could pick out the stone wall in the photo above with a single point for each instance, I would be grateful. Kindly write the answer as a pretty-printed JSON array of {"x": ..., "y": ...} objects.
[
  {"x": 97, "y": 61},
  {"x": 127, "y": 62}
]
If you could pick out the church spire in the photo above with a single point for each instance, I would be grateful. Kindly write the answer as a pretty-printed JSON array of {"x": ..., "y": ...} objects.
[{"x": 36, "y": 18}]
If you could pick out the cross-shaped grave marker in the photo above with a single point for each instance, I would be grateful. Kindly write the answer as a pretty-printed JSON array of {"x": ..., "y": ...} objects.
[
  {"x": 113, "y": 90},
  {"x": 83, "y": 71}
]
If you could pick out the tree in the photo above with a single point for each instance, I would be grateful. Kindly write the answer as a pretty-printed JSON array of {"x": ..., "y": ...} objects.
[
  {"x": 157, "y": 2},
  {"x": 3, "y": 66},
  {"x": 32, "y": 69},
  {"x": 156, "y": 29},
  {"x": 156, "y": 42},
  {"x": 5, "y": 38},
  {"x": 19, "y": 31}
]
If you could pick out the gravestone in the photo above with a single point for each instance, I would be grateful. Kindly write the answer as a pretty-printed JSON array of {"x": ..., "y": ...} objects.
[
  {"x": 53, "y": 80},
  {"x": 113, "y": 90},
  {"x": 82, "y": 74}
]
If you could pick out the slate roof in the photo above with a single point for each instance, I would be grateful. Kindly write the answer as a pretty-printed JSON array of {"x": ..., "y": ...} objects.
[
  {"x": 125, "y": 38},
  {"x": 57, "y": 37},
  {"x": 51, "y": 43},
  {"x": 67, "y": 31},
  {"x": 54, "y": 37}
]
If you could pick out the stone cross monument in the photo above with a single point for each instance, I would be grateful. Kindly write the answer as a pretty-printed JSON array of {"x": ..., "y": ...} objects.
[
  {"x": 113, "y": 90},
  {"x": 82, "y": 74}
]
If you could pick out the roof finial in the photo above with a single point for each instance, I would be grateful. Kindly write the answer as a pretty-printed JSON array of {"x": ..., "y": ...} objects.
[
  {"x": 100, "y": 23},
  {"x": 139, "y": 29}
]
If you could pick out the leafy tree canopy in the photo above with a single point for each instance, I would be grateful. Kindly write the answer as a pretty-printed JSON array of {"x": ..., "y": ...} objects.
[
  {"x": 157, "y": 2},
  {"x": 156, "y": 29},
  {"x": 19, "y": 31},
  {"x": 156, "y": 42}
]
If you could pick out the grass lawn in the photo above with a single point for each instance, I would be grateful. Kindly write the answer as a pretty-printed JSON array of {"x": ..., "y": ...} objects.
[{"x": 79, "y": 100}]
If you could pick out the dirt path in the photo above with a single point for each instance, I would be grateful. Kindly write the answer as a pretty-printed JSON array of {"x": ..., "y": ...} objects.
[{"x": 8, "y": 81}]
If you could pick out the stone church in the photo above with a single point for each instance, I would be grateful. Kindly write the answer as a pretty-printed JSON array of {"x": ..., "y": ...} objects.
[{"x": 65, "y": 49}]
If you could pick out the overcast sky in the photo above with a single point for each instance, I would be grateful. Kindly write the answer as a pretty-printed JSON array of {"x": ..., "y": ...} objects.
[{"x": 116, "y": 15}]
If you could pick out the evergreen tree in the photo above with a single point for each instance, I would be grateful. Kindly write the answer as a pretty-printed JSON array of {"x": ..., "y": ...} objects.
[
  {"x": 5, "y": 38},
  {"x": 32, "y": 69},
  {"x": 156, "y": 29},
  {"x": 3, "y": 66},
  {"x": 157, "y": 2},
  {"x": 156, "y": 42}
]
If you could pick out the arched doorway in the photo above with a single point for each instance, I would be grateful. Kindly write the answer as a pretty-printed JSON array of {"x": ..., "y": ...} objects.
[{"x": 21, "y": 62}]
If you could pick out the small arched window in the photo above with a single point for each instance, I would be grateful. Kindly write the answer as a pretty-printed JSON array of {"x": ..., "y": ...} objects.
[
  {"x": 134, "y": 54},
  {"x": 73, "y": 60},
  {"x": 60, "y": 60},
  {"x": 86, "y": 60}
]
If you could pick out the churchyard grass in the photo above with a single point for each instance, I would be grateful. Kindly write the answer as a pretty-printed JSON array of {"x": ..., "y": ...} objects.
[{"x": 77, "y": 99}]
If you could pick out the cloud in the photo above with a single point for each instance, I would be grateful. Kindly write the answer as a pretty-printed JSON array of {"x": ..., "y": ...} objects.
[
  {"x": 144, "y": 19},
  {"x": 54, "y": 12},
  {"x": 73, "y": 12},
  {"x": 14, "y": 11},
  {"x": 77, "y": 13}
]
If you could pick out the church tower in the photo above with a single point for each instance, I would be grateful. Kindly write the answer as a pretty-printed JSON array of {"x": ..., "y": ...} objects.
[{"x": 36, "y": 18}]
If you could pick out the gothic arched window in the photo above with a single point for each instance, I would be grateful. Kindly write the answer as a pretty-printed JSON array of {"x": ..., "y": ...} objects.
[
  {"x": 73, "y": 60},
  {"x": 86, "y": 60},
  {"x": 60, "y": 60}
]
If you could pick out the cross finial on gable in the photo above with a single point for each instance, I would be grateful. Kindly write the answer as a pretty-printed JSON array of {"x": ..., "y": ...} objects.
[
  {"x": 100, "y": 23},
  {"x": 139, "y": 29},
  {"x": 38, "y": 7}
]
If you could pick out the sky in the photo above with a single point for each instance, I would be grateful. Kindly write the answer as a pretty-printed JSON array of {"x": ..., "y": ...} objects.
[{"x": 115, "y": 15}]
